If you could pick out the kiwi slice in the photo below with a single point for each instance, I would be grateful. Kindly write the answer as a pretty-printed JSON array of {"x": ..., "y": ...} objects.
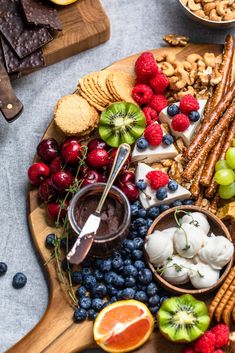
[
  {"x": 121, "y": 122},
  {"x": 183, "y": 319}
]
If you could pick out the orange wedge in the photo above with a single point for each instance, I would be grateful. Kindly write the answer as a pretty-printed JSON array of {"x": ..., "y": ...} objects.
[
  {"x": 63, "y": 2},
  {"x": 123, "y": 326}
]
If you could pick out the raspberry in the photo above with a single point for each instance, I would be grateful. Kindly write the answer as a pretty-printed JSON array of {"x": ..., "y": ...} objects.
[
  {"x": 180, "y": 122},
  {"x": 188, "y": 104},
  {"x": 159, "y": 83},
  {"x": 221, "y": 333},
  {"x": 158, "y": 102},
  {"x": 153, "y": 134},
  {"x": 206, "y": 343},
  {"x": 218, "y": 351},
  {"x": 150, "y": 115},
  {"x": 145, "y": 66},
  {"x": 142, "y": 94},
  {"x": 157, "y": 179}
]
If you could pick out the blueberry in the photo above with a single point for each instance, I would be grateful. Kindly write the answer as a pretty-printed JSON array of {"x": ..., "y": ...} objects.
[
  {"x": 50, "y": 241},
  {"x": 154, "y": 309},
  {"x": 119, "y": 295},
  {"x": 134, "y": 211},
  {"x": 139, "y": 222},
  {"x": 3, "y": 268},
  {"x": 137, "y": 203},
  {"x": 98, "y": 275},
  {"x": 97, "y": 304},
  {"x": 130, "y": 270},
  {"x": 173, "y": 109},
  {"x": 141, "y": 184},
  {"x": 66, "y": 265},
  {"x": 153, "y": 301},
  {"x": 76, "y": 278},
  {"x": 149, "y": 222},
  {"x": 117, "y": 262},
  {"x": 89, "y": 281},
  {"x": 113, "y": 299},
  {"x": 118, "y": 281},
  {"x": 137, "y": 254},
  {"x": 168, "y": 139},
  {"x": 106, "y": 265},
  {"x": 86, "y": 263},
  {"x": 164, "y": 208},
  {"x": 152, "y": 289},
  {"x": 145, "y": 276},
  {"x": 85, "y": 302},
  {"x": 142, "y": 213},
  {"x": 141, "y": 296},
  {"x": 176, "y": 203},
  {"x": 91, "y": 314},
  {"x": 188, "y": 202},
  {"x": 109, "y": 277},
  {"x": 133, "y": 234},
  {"x": 142, "y": 231},
  {"x": 112, "y": 291},
  {"x": 142, "y": 144},
  {"x": 153, "y": 212},
  {"x": 163, "y": 298},
  {"x": 173, "y": 185},
  {"x": 80, "y": 315},
  {"x": 139, "y": 243},
  {"x": 99, "y": 291},
  {"x": 19, "y": 280},
  {"x": 127, "y": 262},
  {"x": 128, "y": 293},
  {"x": 97, "y": 263},
  {"x": 141, "y": 287},
  {"x": 81, "y": 292},
  {"x": 63, "y": 243},
  {"x": 194, "y": 116},
  {"x": 139, "y": 264},
  {"x": 130, "y": 281},
  {"x": 86, "y": 271},
  {"x": 161, "y": 193},
  {"x": 128, "y": 245}
]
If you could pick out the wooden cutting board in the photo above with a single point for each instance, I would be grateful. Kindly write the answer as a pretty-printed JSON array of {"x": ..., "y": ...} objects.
[
  {"x": 85, "y": 25},
  {"x": 56, "y": 331}
]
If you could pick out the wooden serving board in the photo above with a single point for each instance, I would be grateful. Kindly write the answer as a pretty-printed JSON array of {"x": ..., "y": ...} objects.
[
  {"x": 85, "y": 25},
  {"x": 56, "y": 331}
]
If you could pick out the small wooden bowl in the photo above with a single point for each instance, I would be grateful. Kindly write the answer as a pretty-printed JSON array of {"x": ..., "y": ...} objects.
[{"x": 166, "y": 220}]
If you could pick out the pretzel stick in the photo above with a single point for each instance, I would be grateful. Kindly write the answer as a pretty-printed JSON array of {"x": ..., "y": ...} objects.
[
  {"x": 210, "y": 121},
  {"x": 224, "y": 300},
  {"x": 212, "y": 158},
  {"x": 226, "y": 316},
  {"x": 196, "y": 187},
  {"x": 212, "y": 188},
  {"x": 221, "y": 291},
  {"x": 212, "y": 139}
]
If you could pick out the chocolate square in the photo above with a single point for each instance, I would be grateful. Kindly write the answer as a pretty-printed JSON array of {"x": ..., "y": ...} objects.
[
  {"x": 41, "y": 14},
  {"x": 23, "y": 39},
  {"x": 14, "y": 64}
]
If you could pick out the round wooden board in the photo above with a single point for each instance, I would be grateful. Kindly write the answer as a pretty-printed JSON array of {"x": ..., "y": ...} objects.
[{"x": 56, "y": 331}]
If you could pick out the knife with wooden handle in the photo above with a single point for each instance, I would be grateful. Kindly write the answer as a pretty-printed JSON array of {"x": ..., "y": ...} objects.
[{"x": 10, "y": 106}]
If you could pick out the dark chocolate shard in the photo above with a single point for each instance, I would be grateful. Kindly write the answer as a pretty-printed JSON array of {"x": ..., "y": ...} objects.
[
  {"x": 40, "y": 14},
  {"x": 14, "y": 64},
  {"x": 23, "y": 39}
]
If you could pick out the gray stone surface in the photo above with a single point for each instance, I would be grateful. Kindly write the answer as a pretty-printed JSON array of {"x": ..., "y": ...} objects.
[{"x": 136, "y": 25}]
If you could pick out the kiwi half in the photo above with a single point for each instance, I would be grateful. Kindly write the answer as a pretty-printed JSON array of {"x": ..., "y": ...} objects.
[
  {"x": 183, "y": 319},
  {"x": 121, "y": 122}
]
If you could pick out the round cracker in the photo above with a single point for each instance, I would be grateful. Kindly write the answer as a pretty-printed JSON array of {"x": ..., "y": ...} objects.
[
  {"x": 102, "y": 84},
  {"x": 90, "y": 92},
  {"x": 89, "y": 100},
  {"x": 123, "y": 84}
]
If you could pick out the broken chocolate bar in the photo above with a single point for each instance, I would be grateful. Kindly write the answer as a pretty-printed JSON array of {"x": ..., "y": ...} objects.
[{"x": 41, "y": 14}]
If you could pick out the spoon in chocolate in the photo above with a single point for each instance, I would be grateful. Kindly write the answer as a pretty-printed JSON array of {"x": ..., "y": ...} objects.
[{"x": 85, "y": 239}]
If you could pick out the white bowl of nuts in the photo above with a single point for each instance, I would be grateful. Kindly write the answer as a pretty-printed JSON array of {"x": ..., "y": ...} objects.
[{"x": 212, "y": 13}]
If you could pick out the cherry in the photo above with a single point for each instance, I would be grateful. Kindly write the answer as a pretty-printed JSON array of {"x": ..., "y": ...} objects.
[
  {"x": 53, "y": 210},
  {"x": 71, "y": 151},
  {"x": 91, "y": 177},
  {"x": 48, "y": 149},
  {"x": 46, "y": 191},
  {"x": 56, "y": 165},
  {"x": 98, "y": 158},
  {"x": 96, "y": 144},
  {"x": 130, "y": 191},
  {"x": 62, "y": 180},
  {"x": 112, "y": 155},
  {"x": 38, "y": 172},
  {"x": 127, "y": 176}
]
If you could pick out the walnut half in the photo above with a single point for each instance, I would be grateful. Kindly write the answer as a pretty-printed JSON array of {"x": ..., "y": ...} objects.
[{"x": 176, "y": 40}]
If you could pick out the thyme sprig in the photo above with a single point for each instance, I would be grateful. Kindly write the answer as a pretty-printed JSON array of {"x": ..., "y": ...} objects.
[{"x": 178, "y": 268}]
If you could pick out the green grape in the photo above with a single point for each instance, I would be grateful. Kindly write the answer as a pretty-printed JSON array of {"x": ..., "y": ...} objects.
[
  {"x": 230, "y": 157},
  {"x": 224, "y": 176},
  {"x": 222, "y": 164},
  {"x": 233, "y": 144},
  {"x": 227, "y": 191}
]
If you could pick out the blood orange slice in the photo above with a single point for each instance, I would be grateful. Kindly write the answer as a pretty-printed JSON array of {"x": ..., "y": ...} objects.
[{"x": 123, "y": 326}]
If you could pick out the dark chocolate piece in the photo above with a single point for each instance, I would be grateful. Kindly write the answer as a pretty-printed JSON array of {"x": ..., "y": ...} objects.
[
  {"x": 14, "y": 64},
  {"x": 41, "y": 14},
  {"x": 23, "y": 39}
]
